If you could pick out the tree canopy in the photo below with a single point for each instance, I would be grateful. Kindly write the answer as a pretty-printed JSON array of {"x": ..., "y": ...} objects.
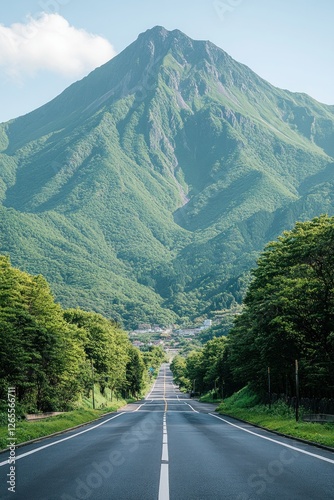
[
  {"x": 48, "y": 353},
  {"x": 203, "y": 369},
  {"x": 289, "y": 313}
]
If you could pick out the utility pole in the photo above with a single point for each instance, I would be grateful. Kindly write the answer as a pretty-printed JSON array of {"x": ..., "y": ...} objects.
[
  {"x": 269, "y": 387},
  {"x": 93, "y": 395},
  {"x": 297, "y": 390}
]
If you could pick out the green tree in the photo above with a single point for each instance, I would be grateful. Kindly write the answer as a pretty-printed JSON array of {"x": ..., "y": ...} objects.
[
  {"x": 213, "y": 363},
  {"x": 35, "y": 342},
  {"x": 179, "y": 369},
  {"x": 105, "y": 345},
  {"x": 154, "y": 357},
  {"x": 289, "y": 313},
  {"x": 204, "y": 369},
  {"x": 135, "y": 373},
  {"x": 196, "y": 370}
]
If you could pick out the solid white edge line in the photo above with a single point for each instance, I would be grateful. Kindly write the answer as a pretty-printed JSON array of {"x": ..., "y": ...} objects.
[
  {"x": 153, "y": 387},
  {"x": 191, "y": 408},
  {"x": 139, "y": 407},
  {"x": 275, "y": 441},
  {"x": 18, "y": 457}
]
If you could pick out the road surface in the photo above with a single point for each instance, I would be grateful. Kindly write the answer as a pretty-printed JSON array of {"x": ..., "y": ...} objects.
[{"x": 168, "y": 447}]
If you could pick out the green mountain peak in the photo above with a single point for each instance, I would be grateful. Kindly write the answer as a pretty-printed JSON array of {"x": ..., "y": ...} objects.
[{"x": 146, "y": 190}]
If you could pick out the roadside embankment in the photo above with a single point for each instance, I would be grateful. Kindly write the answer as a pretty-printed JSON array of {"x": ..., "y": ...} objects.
[{"x": 244, "y": 405}]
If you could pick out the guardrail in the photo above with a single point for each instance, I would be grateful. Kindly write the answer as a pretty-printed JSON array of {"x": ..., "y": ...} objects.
[
  {"x": 320, "y": 418},
  {"x": 39, "y": 416}
]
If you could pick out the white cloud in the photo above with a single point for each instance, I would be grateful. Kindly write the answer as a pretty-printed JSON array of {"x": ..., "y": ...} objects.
[{"x": 50, "y": 43}]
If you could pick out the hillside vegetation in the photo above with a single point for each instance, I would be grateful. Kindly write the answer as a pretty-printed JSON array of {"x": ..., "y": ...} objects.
[
  {"x": 145, "y": 191},
  {"x": 53, "y": 357},
  {"x": 288, "y": 316}
]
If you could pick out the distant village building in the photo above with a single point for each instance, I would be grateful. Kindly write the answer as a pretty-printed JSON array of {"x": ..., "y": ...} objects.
[
  {"x": 137, "y": 343},
  {"x": 144, "y": 327},
  {"x": 188, "y": 332}
]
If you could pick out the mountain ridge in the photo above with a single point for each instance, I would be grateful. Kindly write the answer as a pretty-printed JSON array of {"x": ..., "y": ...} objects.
[{"x": 146, "y": 190}]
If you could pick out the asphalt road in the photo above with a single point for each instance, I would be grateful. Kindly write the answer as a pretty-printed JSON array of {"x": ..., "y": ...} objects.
[{"x": 168, "y": 447}]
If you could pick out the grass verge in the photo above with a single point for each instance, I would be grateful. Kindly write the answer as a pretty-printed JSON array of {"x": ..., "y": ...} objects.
[
  {"x": 280, "y": 418},
  {"x": 210, "y": 397},
  {"x": 25, "y": 431}
]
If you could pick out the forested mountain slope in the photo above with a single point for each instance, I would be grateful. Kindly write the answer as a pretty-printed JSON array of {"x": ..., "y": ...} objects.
[{"x": 146, "y": 190}]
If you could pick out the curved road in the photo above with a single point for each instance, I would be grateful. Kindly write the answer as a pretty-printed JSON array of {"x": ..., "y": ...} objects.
[{"x": 168, "y": 447}]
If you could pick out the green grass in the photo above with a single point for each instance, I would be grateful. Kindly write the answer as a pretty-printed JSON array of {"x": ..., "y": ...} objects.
[
  {"x": 209, "y": 397},
  {"x": 101, "y": 401},
  {"x": 25, "y": 430},
  {"x": 280, "y": 418}
]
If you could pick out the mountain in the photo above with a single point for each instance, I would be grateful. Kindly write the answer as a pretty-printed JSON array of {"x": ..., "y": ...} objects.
[{"x": 146, "y": 190}]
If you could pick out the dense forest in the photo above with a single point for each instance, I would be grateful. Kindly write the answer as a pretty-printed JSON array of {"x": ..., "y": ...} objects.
[
  {"x": 288, "y": 315},
  {"x": 50, "y": 354}
]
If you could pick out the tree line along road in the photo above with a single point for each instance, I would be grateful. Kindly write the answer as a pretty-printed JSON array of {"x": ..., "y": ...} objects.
[{"x": 169, "y": 447}]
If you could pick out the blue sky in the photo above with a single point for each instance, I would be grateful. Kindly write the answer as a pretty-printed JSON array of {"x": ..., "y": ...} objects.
[{"x": 45, "y": 45}]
